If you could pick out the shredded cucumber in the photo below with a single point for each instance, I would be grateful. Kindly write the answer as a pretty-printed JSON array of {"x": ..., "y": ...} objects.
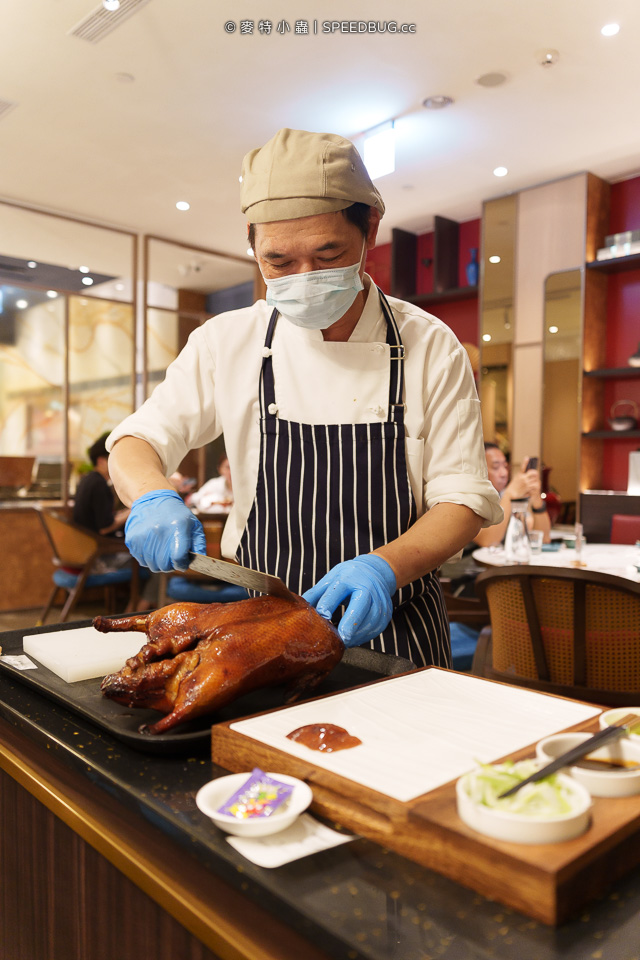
[{"x": 546, "y": 798}]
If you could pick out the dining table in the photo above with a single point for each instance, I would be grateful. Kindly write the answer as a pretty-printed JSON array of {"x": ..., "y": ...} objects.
[{"x": 620, "y": 560}]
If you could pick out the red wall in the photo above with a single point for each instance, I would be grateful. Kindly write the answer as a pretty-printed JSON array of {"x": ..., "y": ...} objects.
[
  {"x": 460, "y": 315},
  {"x": 623, "y": 334}
]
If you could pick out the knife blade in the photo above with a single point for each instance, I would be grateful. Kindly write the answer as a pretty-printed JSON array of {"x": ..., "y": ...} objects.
[{"x": 241, "y": 576}]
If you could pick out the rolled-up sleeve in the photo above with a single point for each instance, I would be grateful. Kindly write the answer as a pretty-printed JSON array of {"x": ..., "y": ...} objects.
[
  {"x": 455, "y": 466},
  {"x": 181, "y": 412}
]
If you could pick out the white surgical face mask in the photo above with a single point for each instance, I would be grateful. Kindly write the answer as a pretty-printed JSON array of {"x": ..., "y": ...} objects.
[{"x": 316, "y": 299}]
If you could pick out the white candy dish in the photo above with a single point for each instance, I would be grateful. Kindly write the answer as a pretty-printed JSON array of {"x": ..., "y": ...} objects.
[{"x": 214, "y": 794}]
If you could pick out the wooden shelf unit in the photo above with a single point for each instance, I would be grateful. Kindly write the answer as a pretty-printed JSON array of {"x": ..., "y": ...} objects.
[
  {"x": 616, "y": 264},
  {"x": 404, "y": 265},
  {"x": 614, "y": 373},
  {"x": 595, "y": 373}
]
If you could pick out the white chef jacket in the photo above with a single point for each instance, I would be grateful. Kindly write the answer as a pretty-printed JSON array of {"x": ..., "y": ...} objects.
[{"x": 212, "y": 387}]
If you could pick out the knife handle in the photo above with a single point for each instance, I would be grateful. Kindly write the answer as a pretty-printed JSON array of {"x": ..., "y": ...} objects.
[{"x": 576, "y": 753}]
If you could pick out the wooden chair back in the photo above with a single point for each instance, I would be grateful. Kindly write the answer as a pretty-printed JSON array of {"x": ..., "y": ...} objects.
[
  {"x": 72, "y": 546},
  {"x": 571, "y": 632}
]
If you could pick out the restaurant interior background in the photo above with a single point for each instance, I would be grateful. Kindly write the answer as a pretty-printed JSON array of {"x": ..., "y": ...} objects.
[{"x": 110, "y": 119}]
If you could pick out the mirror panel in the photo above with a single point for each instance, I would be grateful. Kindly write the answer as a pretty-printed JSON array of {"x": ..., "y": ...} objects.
[
  {"x": 562, "y": 386},
  {"x": 496, "y": 319}
]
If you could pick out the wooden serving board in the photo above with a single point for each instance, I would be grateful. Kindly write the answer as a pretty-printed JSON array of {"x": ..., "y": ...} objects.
[{"x": 548, "y": 882}]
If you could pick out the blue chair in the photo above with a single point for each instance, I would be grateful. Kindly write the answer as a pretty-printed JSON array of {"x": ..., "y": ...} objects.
[
  {"x": 199, "y": 591},
  {"x": 75, "y": 551}
]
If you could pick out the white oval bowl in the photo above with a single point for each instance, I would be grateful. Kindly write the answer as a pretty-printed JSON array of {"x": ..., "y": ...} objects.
[
  {"x": 617, "y": 713},
  {"x": 599, "y": 783},
  {"x": 516, "y": 828},
  {"x": 214, "y": 794}
]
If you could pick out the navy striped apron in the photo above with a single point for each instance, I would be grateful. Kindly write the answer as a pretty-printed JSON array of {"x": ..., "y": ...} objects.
[{"x": 326, "y": 493}]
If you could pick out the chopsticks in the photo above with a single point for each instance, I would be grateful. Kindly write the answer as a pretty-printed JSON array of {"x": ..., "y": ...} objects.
[{"x": 609, "y": 734}]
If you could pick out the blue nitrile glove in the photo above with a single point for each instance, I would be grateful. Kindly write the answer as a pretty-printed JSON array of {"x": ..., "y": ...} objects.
[
  {"x": 161, "y": 531},
  {"x": 367, "y": 582}
]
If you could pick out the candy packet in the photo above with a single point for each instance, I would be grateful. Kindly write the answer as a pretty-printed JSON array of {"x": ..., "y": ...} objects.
[{"x": 259, "y": 796}]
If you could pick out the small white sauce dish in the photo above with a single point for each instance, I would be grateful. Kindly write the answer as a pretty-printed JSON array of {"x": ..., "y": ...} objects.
[
  {"x": 214, "y": 794},
  {"x": 617, "y": 713},
  {"x": 517, "y": 828},
  {"x": 612, "y": 782}
]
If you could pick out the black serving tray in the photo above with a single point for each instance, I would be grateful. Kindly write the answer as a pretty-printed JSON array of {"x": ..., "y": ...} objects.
[{"x": 85, "y": 698}]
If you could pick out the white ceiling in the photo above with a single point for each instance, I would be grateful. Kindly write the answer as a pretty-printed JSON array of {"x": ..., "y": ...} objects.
[{"x": 80, "y": 140}]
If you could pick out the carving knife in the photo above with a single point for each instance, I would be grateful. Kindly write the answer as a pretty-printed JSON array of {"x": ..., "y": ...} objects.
[{"x": 241, "y": 576}]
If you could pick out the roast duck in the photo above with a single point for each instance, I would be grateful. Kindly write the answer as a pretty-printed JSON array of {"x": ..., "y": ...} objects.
[{"x": 201, "y": 656}]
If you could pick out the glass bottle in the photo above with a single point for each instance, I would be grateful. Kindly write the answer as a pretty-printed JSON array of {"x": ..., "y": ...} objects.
[{"x": 517, "y": 548}]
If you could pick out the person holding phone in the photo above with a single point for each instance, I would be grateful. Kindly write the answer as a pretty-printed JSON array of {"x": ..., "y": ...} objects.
[{"x": 524, "y": 483}]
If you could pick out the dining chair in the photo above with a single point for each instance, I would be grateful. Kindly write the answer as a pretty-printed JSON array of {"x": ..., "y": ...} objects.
[
  {"x": 571, "y": 632},
  {"x": 625, "y": 528},
  {"x": 75, "y": 551}
]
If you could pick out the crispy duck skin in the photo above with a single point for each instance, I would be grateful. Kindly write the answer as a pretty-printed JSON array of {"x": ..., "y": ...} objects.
[{"x": 201, "y": 656}]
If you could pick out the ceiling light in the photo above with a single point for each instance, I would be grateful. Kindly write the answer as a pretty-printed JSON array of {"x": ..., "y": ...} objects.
[
  {"x": 494, "y": 259},
  {"x": 437, "y": 103},
  {"x": 87, "y": 281},
  {"x": 119, "y": 286},
  {"x": 610, "y": 29},
  {"x": 486, "y": 337},
  {"x": 500, "y": 172},
  {"x": 553, "y": 329},
  {"x": 380, "y": 150},
  {"x": 52, "y": 294},
  {"x": 182, "y": 205},
  {"x": 83, "y": 269},
  {"x": 240, "y": 179},
  {"x": 547, "y": 58},
  {"x": 21, "y": 304},
  {"x": 32, "y": 264},
  {"x": 491, "y": 79},
  {"x": 111, "y": 5}
]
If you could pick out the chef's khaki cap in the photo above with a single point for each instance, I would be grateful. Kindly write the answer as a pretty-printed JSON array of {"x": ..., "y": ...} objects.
[{"x": 300, "y": 174}]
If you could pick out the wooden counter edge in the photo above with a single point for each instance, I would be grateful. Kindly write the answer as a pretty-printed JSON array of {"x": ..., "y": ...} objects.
[{"x": 237, "y": 929}]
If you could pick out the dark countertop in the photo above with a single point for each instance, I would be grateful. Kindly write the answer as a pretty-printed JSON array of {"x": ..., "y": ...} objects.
[{"x": 354, "y": 902}]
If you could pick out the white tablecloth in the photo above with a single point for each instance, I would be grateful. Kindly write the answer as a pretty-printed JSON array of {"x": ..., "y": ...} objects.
[{"x": 613, "y": 558}]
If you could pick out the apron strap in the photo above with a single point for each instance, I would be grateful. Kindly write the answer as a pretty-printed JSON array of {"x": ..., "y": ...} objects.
[{"x": 267, "y": 391}]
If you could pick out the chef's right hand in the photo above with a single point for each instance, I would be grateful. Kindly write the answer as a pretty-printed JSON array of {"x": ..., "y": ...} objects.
[{"x": 161, "y": 532}]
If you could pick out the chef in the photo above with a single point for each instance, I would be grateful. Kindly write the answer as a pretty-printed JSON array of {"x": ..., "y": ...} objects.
[{"x": 350, "y": 419}]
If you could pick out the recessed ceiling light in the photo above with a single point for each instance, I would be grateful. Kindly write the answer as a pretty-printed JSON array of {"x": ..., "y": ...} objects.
[
  {"x": 500, "y": 172},
  {"x": 52, "y": 294},
  {"x": 83, "y": 269},
  {"x": 437, "y": 103},
  {"x": 21, "y": 304},
  {"x": 486, "y": 337},
  {"x": 87, "y": 281},
  {"x": 240, "y": 179},
  {"x": 491, "y": 79},
  {"x": 119, "y": 286},
  {"x": 553, "y": 329},
  {"x": 610, "y": 29},
  {"x": 111, "y": 5},
  {"x": 32, "y": 264},
  {"x": 494, "y": 259},
  {"x": 182, "y": 205}
]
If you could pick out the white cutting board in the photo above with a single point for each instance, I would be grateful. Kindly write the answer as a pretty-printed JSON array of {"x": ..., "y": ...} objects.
[
  {"x": 84, "y": 653},
  {"x": 420, "y": 730}
]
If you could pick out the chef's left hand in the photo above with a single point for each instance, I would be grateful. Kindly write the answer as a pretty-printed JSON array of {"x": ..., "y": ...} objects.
[{"x": 368, "y": 583}]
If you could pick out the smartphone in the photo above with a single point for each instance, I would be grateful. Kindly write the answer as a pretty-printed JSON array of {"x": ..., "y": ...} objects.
[{"x": 532, "y": 463}]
